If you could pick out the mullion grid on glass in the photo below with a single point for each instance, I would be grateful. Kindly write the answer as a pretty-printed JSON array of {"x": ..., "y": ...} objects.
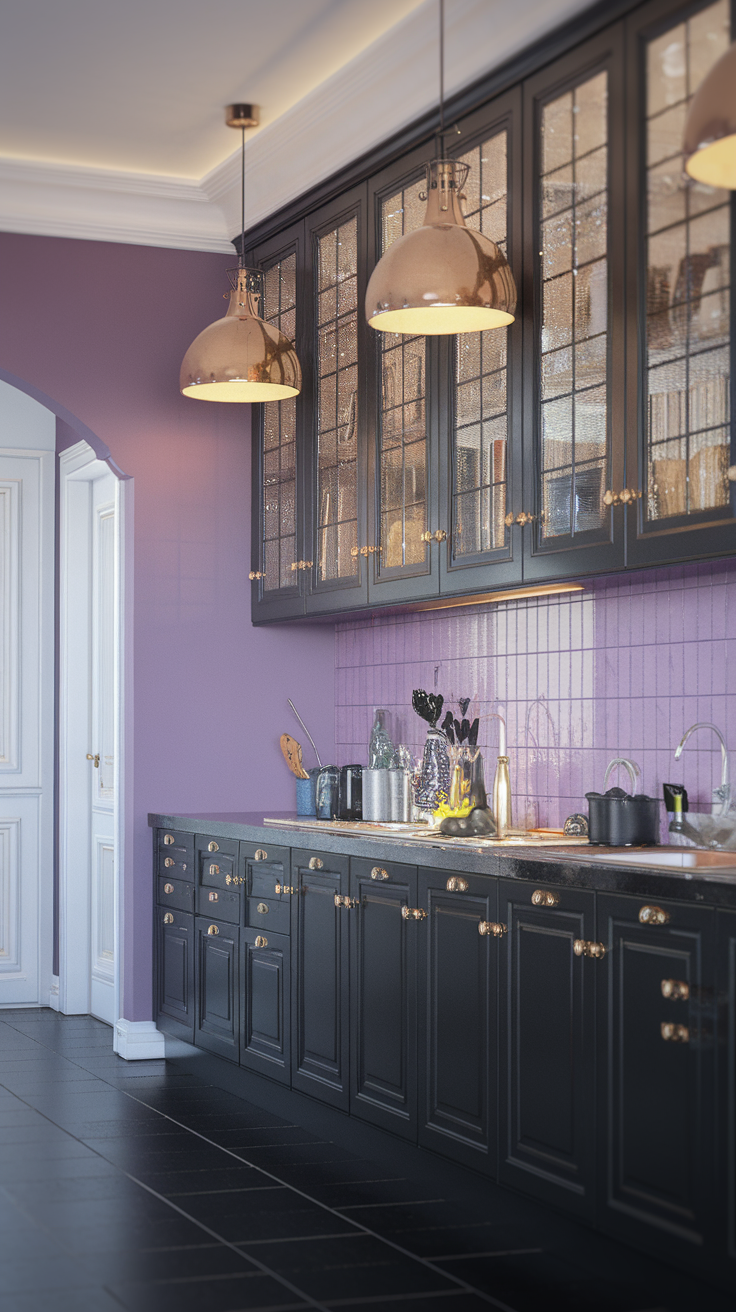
[
  {"x": 337, "y": 523},
  {"x": 687, "y": 472},
  {"x": 479, "y": 466},
  {"x": 402, "y": 418},
  {"x": 279, "y": 485}
]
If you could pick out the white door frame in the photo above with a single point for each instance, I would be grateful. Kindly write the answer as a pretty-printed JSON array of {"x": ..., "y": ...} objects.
[{"x": 79, "y": 465}]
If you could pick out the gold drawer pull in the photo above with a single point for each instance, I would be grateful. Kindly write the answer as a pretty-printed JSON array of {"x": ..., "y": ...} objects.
[
  {"x": 213, "y": 846},
  {"x": 672, "y": 1033},
  {"x": 213, "y": 929},
  {"x": 315, "y": 863},
  {"x": 347, "y": 902},
  {"x": 261, "y": 942},
  {"x": 523, "y": 518},
  {"x": 169, "y": 862},
  {"x": 260, "y": 855},
  {"x": 378, "y": 872},
  {"x": 653, "y": 916},
  {"x": 169, "y": 839},
  {"x": 492, "y": 927},
  {"x": 168, "y": 918},
  {"x": 169, "y": 888},
  {"x": 214, "y": 870},
  {"x": 677, "y": 990},
  {"x": 439, "y": 535},
  {"x": 262, "y": 909},
  {"x": 456, "y": 884},
  {"x": 413, "y": 913},
  {"x": 543, "y": 898},
  {"x": 256, "y": 574},
  {"x": 284, "y": 888},
  {"x": 585, "y": 948},
  {"x": 214, "y": 897}
]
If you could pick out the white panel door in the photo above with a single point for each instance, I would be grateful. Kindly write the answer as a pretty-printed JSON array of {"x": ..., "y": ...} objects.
[
  {"x": 102, "y": 775},
  {"x": 26, "y": 717}
]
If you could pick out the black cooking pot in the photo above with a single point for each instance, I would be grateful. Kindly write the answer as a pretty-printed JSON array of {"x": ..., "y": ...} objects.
[{"x": 616, "y": 819}]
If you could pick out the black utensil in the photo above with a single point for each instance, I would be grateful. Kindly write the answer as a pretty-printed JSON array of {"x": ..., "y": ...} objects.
[
  {"x": 463, "y": 703},
  {"x": 428, "y": 705},
  {"x": 447, "y": 728},
  {"x": 473, "y": 735}
]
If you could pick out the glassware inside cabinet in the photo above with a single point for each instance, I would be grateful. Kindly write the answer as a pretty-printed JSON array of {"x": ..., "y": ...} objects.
[{"x": 279, "y": 474}]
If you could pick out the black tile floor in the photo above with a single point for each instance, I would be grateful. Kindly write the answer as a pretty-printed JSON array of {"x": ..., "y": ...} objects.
[{"x": 131, "y": 1185}]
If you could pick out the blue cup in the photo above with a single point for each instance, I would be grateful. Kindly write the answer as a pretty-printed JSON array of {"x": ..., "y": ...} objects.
[{"x": 306, "y": 794}]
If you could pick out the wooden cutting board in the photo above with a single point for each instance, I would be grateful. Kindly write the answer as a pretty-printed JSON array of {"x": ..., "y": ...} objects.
[{"x": 293, "y": 755}]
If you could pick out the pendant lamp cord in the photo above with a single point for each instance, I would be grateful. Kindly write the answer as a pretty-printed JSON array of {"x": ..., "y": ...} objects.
[
  {"x": 441, "y": 135},
  {"x": 242, "y": 195}
]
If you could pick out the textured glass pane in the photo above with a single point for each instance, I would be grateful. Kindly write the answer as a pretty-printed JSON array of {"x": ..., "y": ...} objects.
[
  {"x": 337, "y": 403},
  {"x": 279, "y": 450},
  {"x": 687, "y": 285},
  {"x": 557, "y": 133},
  {"x": 575, "y": 311},
  {"x": 481, "y": 421}
]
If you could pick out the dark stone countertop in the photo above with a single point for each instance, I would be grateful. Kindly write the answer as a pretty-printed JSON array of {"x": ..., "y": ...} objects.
[{"x": 574, "y": 867}]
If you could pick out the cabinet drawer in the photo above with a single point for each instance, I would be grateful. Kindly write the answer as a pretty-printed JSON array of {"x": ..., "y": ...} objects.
[
  {"x": 176, "y": 893},
  {"x": 223, "y": 903},
  {"x": 380, "y": 872},
  {"x": 211, "y": 845},
  {"x": 271, "y": 914},
  {"x": 170, "y": 867},
  {"x": 217, "y": 870},
  {"x": 259, "y": 853},
  {"x": 265, "y": 869},
  {"x": 175, "y": 845}
]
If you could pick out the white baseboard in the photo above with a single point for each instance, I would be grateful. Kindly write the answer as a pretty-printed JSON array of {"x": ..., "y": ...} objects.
[
  {"x": 54, "y": 993},
  {"x": 138, "y": 1040}
]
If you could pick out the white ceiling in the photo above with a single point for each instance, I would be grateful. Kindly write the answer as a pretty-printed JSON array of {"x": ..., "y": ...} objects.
[{"x": 112, "y": 110}]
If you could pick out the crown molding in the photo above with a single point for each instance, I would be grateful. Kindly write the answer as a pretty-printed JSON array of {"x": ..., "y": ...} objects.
[{"x": 382, "y": 90}]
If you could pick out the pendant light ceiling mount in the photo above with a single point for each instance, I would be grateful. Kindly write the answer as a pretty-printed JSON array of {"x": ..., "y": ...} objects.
[{"x": 241, "y": 358}]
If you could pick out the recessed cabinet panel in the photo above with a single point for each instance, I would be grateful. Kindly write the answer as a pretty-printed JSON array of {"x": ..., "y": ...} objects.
[
  {"x": 175, "y": 996},
  {"x": 265, "y": 1044},
  {"x": 656, "y": 1027},
  {"x": 320, "y": 985},
  {"x": 218, "y": 993},
  {"x": 726, "y": 1121},
  {"x": 383, "y": 995},
  {"x": 175, "y": 894},
  {"x": 457, "y": 1004},
  {"x": 547, "y": 1020}
]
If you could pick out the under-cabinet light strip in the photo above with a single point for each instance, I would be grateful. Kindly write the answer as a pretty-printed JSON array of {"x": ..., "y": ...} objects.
[{"x": 486, "y": 598}]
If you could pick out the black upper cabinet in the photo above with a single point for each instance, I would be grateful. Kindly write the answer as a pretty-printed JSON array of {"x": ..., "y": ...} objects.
[
  {"x": 680, "y": 314},
  {"x": 573, "y": 312}
]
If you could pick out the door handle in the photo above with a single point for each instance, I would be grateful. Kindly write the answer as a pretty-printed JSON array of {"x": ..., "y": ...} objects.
[
  {"x": 672, "y": 1033},
  {"x": 543, "y": 898},
  {"x": 95, "y": 758},
  {"x": 585, "y": 948},
  {"x": 348, "y": 902},
  {"x": 284, "y": 888},
  {"x": 492, "y": 927},
  {"x": 677, "y": 990},
  {"x": 213, "y": 929},
  {"x": 653, "y": 916},
  {"x": 413, "y": 913}
]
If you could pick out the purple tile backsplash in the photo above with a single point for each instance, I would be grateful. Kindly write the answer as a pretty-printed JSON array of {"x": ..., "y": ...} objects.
[{"x": 620, "y": 669}]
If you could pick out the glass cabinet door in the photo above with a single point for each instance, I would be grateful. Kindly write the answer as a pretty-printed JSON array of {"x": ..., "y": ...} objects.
[
  {"x": 337, "y": 570},
  {"x": 683, "y": 285},
  {"x": 277, "y": 570},
  {"x": 403, "y": 507},
  {"x": 574, "y": 366},
  {"x": 480, "y": 477}
]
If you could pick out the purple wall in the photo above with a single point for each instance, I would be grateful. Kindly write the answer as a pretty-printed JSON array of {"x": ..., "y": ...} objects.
[
  {"x": 621, "y": 669},
  {"x": 101, "y": 330}
]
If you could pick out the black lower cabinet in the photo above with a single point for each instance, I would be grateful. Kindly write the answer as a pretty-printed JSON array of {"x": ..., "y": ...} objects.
[
  {"x": 383, "y": 1010},
  {"x": 657, "y": 1105},
  {"x": 265, "y": 1038},
  {"x": 726, "y": 1065},
  {"x": 319, "y": 978},
  {"x": 547, "y": 1040},
  {"x": 175, "y": 977},
  {"x": 457, "y": 1009},
  {"x": 218, "y": 992}
]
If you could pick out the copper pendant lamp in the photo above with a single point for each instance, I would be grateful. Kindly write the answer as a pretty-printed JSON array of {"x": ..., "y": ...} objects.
[
  {"x": 709, "y": 139},
  {"x": 444, "y": 277},
  {"x": 240, "y": 358}
]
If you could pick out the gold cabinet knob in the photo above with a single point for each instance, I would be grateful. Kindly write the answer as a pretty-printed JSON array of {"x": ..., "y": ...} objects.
[
  {"x": 509, "y": 519},
  {"x": 169, "y": 888},
  {"x": 413, "y": 913},
  {"x": 439, "y": 535},
  {"x": 521, "y": 519},
  {"x": 284, "y": 888},
  {"x": 611, "y": 498},
  {"x": 169, "y": 862},
  {"x": 214, "y": 870},
  {"x": 677, "y": 990},
  {"x": 378, "y": 872},
  {"x": 456, "y": 884},
  {"x": 168, "y": 918},
  {"x": 672, "y": 1033},
  {"x": 315, "y": 863},
  {"x": 261, "y": 941},
  {"x": 585, "y": 948},
  {"x": 492, "y": 928},
  {"x": 653, "y": 916},
  {"x": 213, "y": 846},
  {"x": 542, "y": 897},
  {"x": 262, "y": 908},
  {"x": 214, "y": 897},
  {"x": 168, "y": 839},
  {"x": 213, "y": 930},
  {"x": 256, "y": 574},
  {"x": 260, "y": 855},
  {"x": 732, "y": 473},
  {"x": 348, "y": 902}
]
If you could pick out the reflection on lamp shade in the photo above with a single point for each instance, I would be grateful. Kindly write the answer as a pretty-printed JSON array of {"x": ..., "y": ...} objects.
[
  {"x": 443, "y": 277},
  {"x": 240, "y": 357},
  {"x": 709, "y": 140}
]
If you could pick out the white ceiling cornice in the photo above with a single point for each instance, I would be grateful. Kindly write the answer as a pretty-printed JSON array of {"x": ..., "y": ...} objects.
[{"x": 385, "y": 88}]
